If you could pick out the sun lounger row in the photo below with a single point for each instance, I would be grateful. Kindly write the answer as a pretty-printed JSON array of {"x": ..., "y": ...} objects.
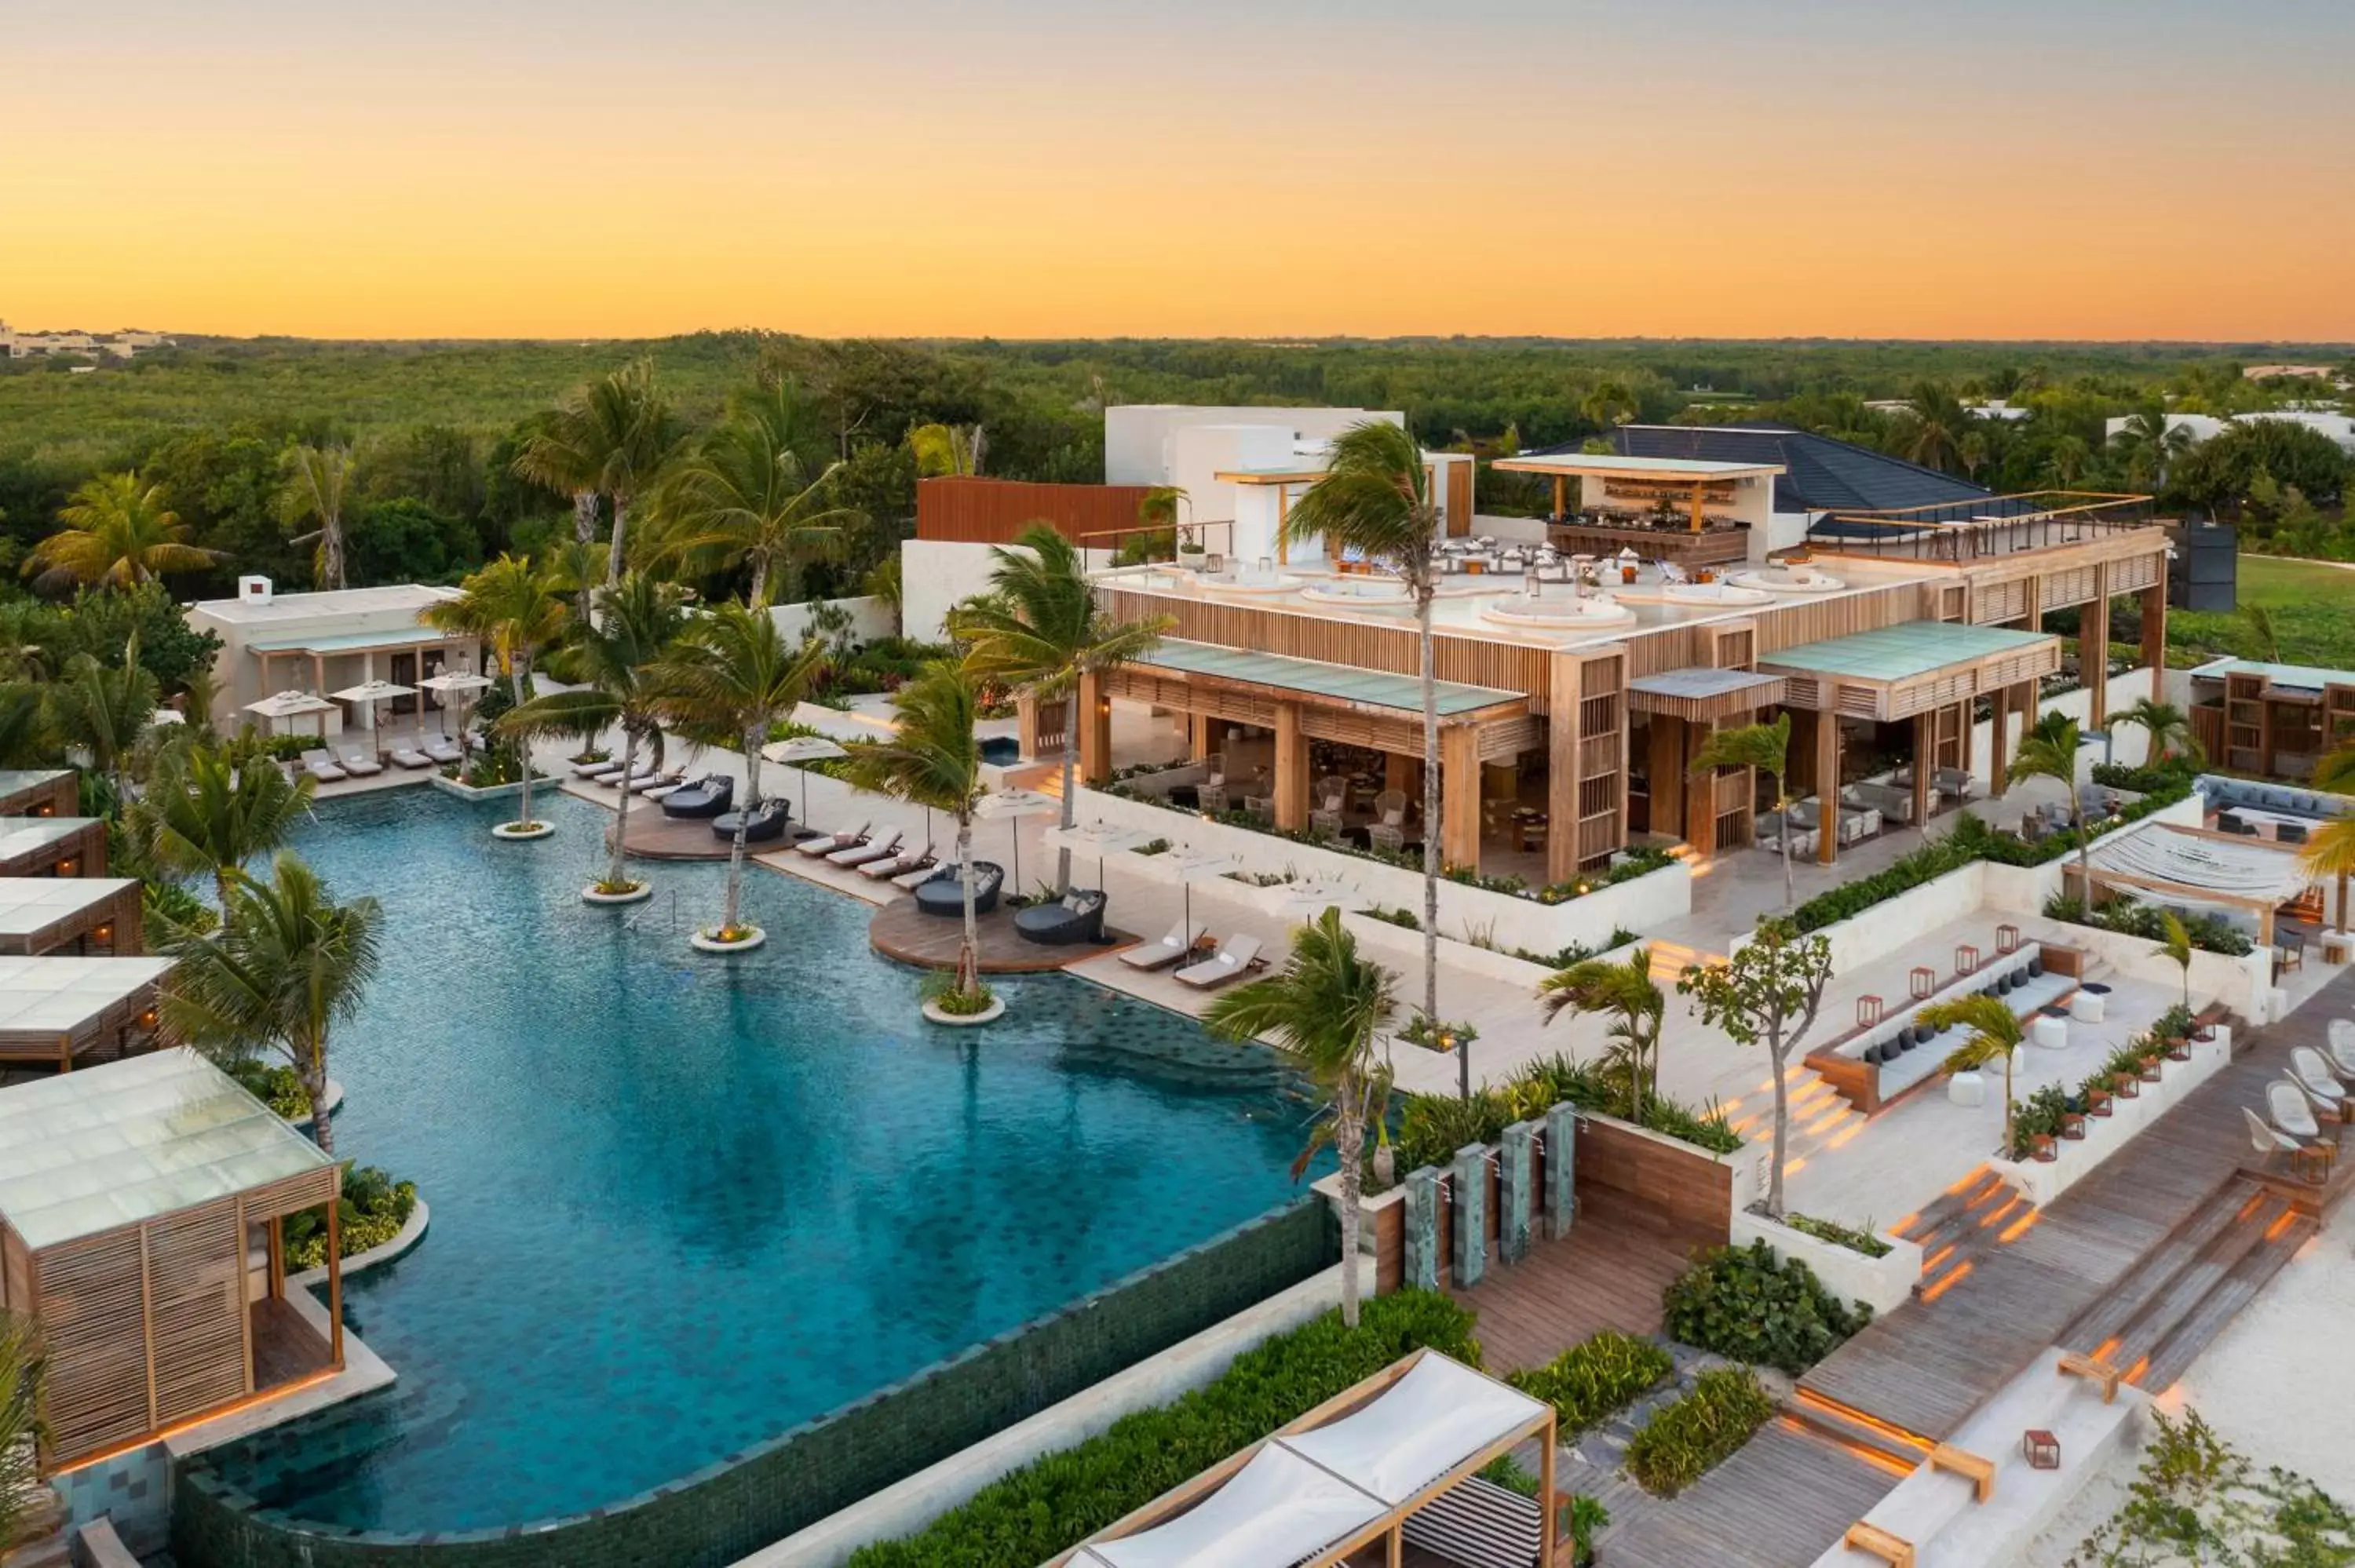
[{"x": 1235, "y": 957}]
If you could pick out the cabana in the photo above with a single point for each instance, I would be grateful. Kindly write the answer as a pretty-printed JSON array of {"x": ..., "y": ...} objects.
[
  {"x": 54, "y": 1011},
  {"x": 140, "y": 1210},
  {"x": 70, "y": 915},
  {"x": 1394, "y": 1461},
  {"x": 39, "y": 792},
  {"x": 52, "y": 847},
  {"x": 2176, "y": 865}
]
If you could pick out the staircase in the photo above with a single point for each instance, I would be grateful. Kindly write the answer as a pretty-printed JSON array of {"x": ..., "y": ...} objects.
[
  {"x": 1869, "y": 1438},
  {"x": 2179, "y": 1298},
  {"x": 1821, "y": 1116},
  {"x": 1976, "y": 1213}
]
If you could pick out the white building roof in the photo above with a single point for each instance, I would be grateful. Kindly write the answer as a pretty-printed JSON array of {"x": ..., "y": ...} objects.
[{"x": 326, "y": 604}]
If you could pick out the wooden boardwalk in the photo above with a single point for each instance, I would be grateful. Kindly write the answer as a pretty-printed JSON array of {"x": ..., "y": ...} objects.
[
  {"x": 1778, "y": 1503},
  {"x": 1604, "y": 1275}
]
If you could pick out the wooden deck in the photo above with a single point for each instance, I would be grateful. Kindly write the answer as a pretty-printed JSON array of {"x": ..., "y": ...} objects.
[
  {"x": 931, "y": 941},
  {"x": 1603, "y": 1275},
  {"x": 1778, "y": 1503}
]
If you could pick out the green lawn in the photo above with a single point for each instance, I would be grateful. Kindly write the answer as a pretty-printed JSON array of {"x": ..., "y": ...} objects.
[{"x": 2313, "y": 607}]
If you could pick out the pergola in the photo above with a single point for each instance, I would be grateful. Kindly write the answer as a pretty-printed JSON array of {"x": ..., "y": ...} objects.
[
  {"x": 53, "y": 1009},
  {"x": 1708, "y": 811},
  {"x": 364, "y": 645},
  {"x": 130, "y": 1200},
  {"x": 1929, "y": 672},
  {"x": 1693, "y": 480},
  {"x": 1300, "y": 699},
  {"x": 2195, "y": 866},
  {"x": 52, "y": 847},
  {"x": 1381, "y": 1462},
  {"x": 40, "y": 915}
]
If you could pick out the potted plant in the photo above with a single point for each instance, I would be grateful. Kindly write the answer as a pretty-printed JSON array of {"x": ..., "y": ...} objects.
[
  {"x": 2125, "y": 1085},
  {"x": 2097, "y": 1100},
  {"x": 1191, "y": 554},
  {"x": 2179, "y": 1049},
  {"x": 2072, "y": 1124},
  {"x": 2152, "y": 1060},
  {"x": 2040, "y": 1147}
]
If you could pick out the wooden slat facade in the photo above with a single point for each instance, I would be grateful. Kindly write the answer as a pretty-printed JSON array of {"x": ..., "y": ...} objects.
[
  {"x": 111, "y": 926},
  {"x": 81, "y": 852},
  {"x": 996, "y": 511},
  {"x": 56, "y": 797}
]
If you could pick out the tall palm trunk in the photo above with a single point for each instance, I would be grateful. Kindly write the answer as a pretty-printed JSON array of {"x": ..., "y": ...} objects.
[
  {"x": 968, "y": 971},
  {"x": 613, "y": 555},
  {"x": 728, "y": 921},
  {"x": 519, "y": 682},
  {"x": 311, "y": 1071},
  {"x": 1432, "y": 813},
  {"x": 331, "y": 550},
  {"x": 1349, "y": 1136},
  {"x": 585, "y": 529},
  {"x": 620, "y": 870},
  {"x": 760, "y": 594},
  {"x": 1070, "y": 806}
]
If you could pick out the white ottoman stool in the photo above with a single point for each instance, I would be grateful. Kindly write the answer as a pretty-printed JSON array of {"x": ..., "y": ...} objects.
[
  {"x": 2088, "y": 1007},
  {"x": 1967, "y": 1088},
  {"x": 2052, "y": 1034},
  {"x": 2336, "y": 946}
]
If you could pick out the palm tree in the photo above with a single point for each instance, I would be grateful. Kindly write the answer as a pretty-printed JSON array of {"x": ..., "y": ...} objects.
[
  {"x": 315, "y": 482},
  {"x": 942, "y": 450},
  {"x": 25, "y": 630},
  {"x": 1041, "y": 630},
  {"x": 2066, "y": 465},
  {"x": 2152, "y": 444},
  {"x": 2177, "y": 946},
  {"x": 744, "y": 498},
  {"x": 1376, "y": 496},
  {"x": 641, "y": 619},
  {"x": 288, "y": 964},
  {"x": 1635, "y": 1005},
  {"x": 1767, "y": 748},
  {"x": 2331, "y": 853},
  {"x": 611, "y": 437},
  {"x": 728, "y": 681},
  {"x": 933, "y": 761},
  {"x": 22, "y": 1430},
  {"x": 512, "y": 605},
  {"x": 2260, "y": 637},
  {"x": 1325, "y": 1006},
  {"x": 23, "y": 724},
  {"x": 208, "y": 812},
  {"x": 116, "y": 530},
  {"x": 1609, "y": 404},
  {"x": 1994, "y": 1032},
  {"x": 1934, "y": 439},
  {"x": 2049, "y": 750},
  {"x": 105, "y": 708},
  {"x": 2166, "y": 725}
]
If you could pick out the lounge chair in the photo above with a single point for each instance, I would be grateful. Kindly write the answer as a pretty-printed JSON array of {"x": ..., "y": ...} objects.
[
  {"x": 2313, "y": 1075},
  {"x": 442, "y": 749},
  {"x": 600, "y": 768},
  {"x": 1077, "y": 917},
  {"x": 707, "y": 797},
  {"x": 2340, "y": 1048},
  {"x": 899, "y": 865},
  {"x": 1174, "y": 945},
  {"x": 859, "y": 854},
  {"x": 915, "y": 876},
  {"x": 765, "y": 823},
  {"x": 1389, "y": 829},
  {"x": 320, "y": 764},
  {"x": 826, "y": 843},
  {"x": 944, "y": 894},
  {"x": 410, "y": 757},
  {"x": 2287, "y": 1104},
  {"x": 2270, "y": 1143},
  {"x": 665, "y": 782},
  {"x": 1238, "y": 958},
  {"x": 356, "y": 760},
  {"x": 643, "y": 774}
]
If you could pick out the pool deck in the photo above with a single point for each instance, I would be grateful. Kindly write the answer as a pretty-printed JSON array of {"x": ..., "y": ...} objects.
[{"x": 900, "y": 932}]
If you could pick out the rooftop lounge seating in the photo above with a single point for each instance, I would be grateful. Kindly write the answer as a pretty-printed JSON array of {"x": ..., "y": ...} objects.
[
  {"x": 409, "y": 757},
  {"x": 1077, "y": 917},
  {"x": 707, "y": 797},
  {"x": 826, "y": 843},
  {"x": 899, "y": 865},
  {"x": 944, "y": 894},
  {"x": 444, "y": 750},
  {"x": 1904, "y": 1053},
  {"x": 859, "y": 854}
]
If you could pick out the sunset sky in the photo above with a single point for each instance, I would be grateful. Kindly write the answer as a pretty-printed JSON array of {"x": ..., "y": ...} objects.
[{"x": 2005, "y": 168}]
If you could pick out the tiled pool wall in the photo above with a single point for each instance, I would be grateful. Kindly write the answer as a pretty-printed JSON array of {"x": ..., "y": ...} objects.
[
  {"x": 746, "y": 1500},
  {"x": 132, "y": 1488}
]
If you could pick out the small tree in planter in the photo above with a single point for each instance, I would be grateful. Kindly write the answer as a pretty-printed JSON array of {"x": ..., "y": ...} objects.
[
  {"x": 1767, "y": 994},
  {"x": 1767, "y": 748},
  {"x": 513, "y": 605},
  {"x": 2177, "y": 946},
  {"x": 1626, "y": 992},
  {"x": 1994, "y": 1032}
]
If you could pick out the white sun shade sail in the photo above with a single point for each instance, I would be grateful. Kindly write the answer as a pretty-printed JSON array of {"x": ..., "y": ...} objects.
[
  {"x": 1276, "y": 1510},
  {"x": 2253, "y": 870},
  {"x": 374, "y": 692},
  {"x": 288, "y": 704},
  {"x": 1423, "y": 1425}
]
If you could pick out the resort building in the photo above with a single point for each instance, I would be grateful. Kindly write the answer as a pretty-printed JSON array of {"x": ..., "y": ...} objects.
[
  {"x": 67, "y": 1014},
  {"x": 38, "y": 792},
  {"x": 82, "y": 917},
  {"x": 52, "y": 847},
  {"x": 16, "y": 345},
  {"x": 329, "y": 642},
  {"x": 2273, "y": 720},
  {"x": 141, "y": 1207}
]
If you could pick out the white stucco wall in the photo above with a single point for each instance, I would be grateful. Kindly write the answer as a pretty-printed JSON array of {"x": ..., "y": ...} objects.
[
  {"x": 1883, "y": 1284},
  {"x": 870, "y": 618},
  {"x": 934, "y": 576}
]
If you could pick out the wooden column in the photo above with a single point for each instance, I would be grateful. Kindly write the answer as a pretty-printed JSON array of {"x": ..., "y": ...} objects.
[
  {"x": 1699, "y": 791},
  {"x": 2093, "y": 649},
  {"x": 1095, "y": 731},
  {"x": 1459, "y": 797},
  {"x": 2000, "y": 743},
  {"x": 1291, "y": 769},
  {"x": 335, "y": 1281},
  {"x": 2154, "y": 622},
  {"x": 1963, "y": 712},
  {"x": 1026, "y": 722},
  {"x": 1548, "y": 1505},
  {"x": 1925, "y": 755},
  {"x": 1402, "y": 772},
  {"x": 1827, "y": 755},
  {"x": 1801, "y": 754},
  {"x": 1198, "y": 736},
  {"x": 1664, "y": 759},
  {"x": 1562, "y": 770},
  {"x": 1561, "y": 495}
]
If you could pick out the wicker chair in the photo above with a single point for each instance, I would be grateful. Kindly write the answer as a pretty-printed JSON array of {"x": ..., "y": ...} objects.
[
  {"x": 1331, "y": 794},
  {"x": 1389, "y": 829},
  {"x": 1211, "y": 794}
]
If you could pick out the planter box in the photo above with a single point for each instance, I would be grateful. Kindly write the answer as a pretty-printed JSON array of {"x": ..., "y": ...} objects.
[
  {"x": 1402, "y": 949},
  {"x": 1883, "y": 1284},
  {"x": 2041, "y": 1180},
  {"x": 496, "y": 792}
]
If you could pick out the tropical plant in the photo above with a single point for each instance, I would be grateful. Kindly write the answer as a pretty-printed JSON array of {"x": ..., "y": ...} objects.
[
  {"x": 2049, "y": 750},
  {"x": 1996, "y": 1034},
  {"x": 1767, "y": 748},
  {"x": 1376, "y": 497},
  {"x": 314, "y": 485},
  {"x": 2175, "y": 946},
  {"x": 1766, "y": 994},
  {"x": 621, "y": 656},
  {"x": 22, "y": 1430},
  {"x": 1325, "y": 1007},
  {"x": 512, "y": 605},
  {"x": 23, "y": 724},
  {"x": 288, "y": 965},
  {"x": 117, "y": 531},
  {"x": 728, "y": 681},
  {"x": 2331, "y": 853},
  {"x": 1683, "y": 1441},
  {"x": 1041, "y": 630},
  {"x": 1754, "y": 1306},
  {"x": 947, "y": 450},
  {"x": 105, "y": 708},
  {"x": 1597, "y": 1378},
  {"x": 1609, "y": 403},
  {"x": 2152, "y": 444},
  {"x": 611, "y": 436},
  {"x": 2168, "y": 727},
  {"x": 2260, "y": 638},
  {"x": 933, "y": 760},
  {"x": 207, "y": 811},
  {"x": 1626, "y": 992},
  {"x": 745, "y": 497},
  {"x": 1938, "y": 422}
]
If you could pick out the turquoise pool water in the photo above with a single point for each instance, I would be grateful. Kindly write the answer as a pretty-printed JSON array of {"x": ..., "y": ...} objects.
[{"x": 681, "y": 1204}]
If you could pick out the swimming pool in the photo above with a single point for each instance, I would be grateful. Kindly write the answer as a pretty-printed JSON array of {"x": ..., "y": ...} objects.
[{"x": 681, "y": 1204}]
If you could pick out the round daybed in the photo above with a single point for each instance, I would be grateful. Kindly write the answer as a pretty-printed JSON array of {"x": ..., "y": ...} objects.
[
  {"x": 707, "y": 797},
  {"x": 944, "y": 896}
]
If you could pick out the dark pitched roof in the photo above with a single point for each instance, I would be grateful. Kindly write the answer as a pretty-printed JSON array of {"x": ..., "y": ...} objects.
[{"x": 1824, "y": 474}]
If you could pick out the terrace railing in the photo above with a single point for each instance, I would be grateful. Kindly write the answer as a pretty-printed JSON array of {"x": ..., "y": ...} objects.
[{"x": 1960, "y": 531}]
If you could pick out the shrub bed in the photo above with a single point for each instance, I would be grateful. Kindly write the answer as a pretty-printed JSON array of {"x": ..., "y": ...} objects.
[
  {"x": 1684, "y": 1440},
  {"x": 1026, "y": 1518},
  {"x": 1831, "y": 1231},
  {"x": 275, "y": 1086},
  {"x": 1747, "y": 1303},
  {"x": 1596, "y": 1379},
  {"x": 371, "y": 1211},
  {"x": 2209, "y": 933},
  {"x": 1431, "y": 1128}
]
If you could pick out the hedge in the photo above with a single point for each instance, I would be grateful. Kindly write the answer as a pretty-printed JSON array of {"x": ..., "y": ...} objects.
[
  {"x": 1052, "y": 1505},
  {"x": 1684, "y": 1441},
  {"x": 1597, "y": 1378}
]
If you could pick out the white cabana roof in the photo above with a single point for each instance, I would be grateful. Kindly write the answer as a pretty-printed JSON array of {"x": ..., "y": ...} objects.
[
  {"x": 1423, "y": 1425},
  {"x": 2243, "y": 870},
  {"x": 1276, "y": 1510}
]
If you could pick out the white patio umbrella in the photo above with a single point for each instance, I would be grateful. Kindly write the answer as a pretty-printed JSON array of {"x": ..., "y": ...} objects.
[
  {"x": 1304, "y": 901},
  {"x": 459, "y": 684},
  {"x": 292, "y": 705},
  {"x": 1098, "y": 837},
  {"x": 1194, "y": 866},
  {"x": 1016, "y": 804},
  {"x": 804, "y": 749},
  {"x": 372, "y": 693}
]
